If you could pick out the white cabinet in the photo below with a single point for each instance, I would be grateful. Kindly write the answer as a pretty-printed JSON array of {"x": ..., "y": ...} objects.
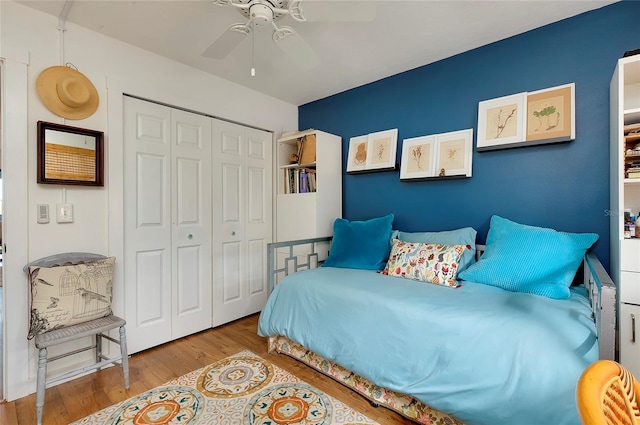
[
  {"x": 310, "y": 214},
  {"x": 630, "y": 336},
  {"x": 625, "y": 197}
]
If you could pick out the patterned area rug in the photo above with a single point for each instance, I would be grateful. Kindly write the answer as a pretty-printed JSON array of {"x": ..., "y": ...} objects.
[{"x": 241, "y": 389}]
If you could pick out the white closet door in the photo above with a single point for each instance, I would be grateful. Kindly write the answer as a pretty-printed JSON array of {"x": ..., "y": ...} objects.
[
  {"x": 191, "y": 217},
  {"x": 242, "y": 163},
  {"x": 147, "y": 223},
  {"x": 167, "y": 234},
  {"x": 259, "y": 216}
]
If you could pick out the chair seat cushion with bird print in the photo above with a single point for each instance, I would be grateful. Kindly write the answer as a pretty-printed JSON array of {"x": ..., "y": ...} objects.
[{"x": 70, "y": 294}]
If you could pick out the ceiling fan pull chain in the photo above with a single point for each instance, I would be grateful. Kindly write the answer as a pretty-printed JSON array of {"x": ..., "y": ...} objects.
[{"x": 253, "y": 54}]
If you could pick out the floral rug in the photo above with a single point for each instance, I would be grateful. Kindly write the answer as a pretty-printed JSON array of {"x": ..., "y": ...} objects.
[{"x": 242, "y": 389}]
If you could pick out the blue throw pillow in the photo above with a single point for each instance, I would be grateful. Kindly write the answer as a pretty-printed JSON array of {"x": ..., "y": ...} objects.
[
  {"x": 529, "y": 259},
  {"x": 465, "y": 236},
  {"x": 360, "y": 244}
]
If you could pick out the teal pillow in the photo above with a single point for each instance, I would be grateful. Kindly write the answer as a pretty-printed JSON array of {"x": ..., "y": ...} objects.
[
  {"x": 465, "y": 236},
  {"x": 360, "y": 244},
  {"x": 529, "y": 259}
]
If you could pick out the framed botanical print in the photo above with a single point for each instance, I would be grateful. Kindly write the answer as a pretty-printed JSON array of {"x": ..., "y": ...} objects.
[
  {"x": 357, "y": 158},
  {"x": 382, "y": 148},
  {"x": 551, "y": 115},
  {"x": 501, "y": 122},
  {"x": 454, "y": 153},
  {"x": 418, "y": 158}
]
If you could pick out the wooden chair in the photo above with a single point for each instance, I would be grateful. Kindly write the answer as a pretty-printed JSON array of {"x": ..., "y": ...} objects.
[
  {"x": 96, "y": 328},
  {"x": 607, "y": 394}
]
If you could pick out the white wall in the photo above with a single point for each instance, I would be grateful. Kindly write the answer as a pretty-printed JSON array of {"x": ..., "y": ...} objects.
[{"x": 31, "y": 42}]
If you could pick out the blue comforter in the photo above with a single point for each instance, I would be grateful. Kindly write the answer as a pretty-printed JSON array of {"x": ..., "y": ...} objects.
[{"x": 482, "y": 354}]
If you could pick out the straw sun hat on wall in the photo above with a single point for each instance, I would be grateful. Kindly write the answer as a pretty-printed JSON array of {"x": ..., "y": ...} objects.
[{"x": 67, "y": 92}]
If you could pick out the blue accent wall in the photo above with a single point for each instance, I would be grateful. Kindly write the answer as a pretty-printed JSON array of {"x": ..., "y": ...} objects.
[{"x": 563, "y": 185}]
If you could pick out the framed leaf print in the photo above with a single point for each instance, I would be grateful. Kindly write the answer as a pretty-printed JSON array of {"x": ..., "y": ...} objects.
[
  {"x": 357, "y": 158},
  {"x": 501, "y": 122},
  {"x": 382, "y": 150},
  {"x": 551, "y": 115},
  {"x": 418, "y": 158}
]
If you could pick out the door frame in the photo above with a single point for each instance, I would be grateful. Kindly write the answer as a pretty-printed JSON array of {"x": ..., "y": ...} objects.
[{"x": 17, "y": 362}]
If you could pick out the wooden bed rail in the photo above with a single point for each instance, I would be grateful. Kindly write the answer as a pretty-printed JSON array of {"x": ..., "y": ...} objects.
[{"x": 601, "y": 289}]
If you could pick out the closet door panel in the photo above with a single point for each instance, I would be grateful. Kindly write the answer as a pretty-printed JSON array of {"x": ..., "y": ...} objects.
[
  {"x": 258, "y": 220},
  {"x": 150, "y": 191},
  {"x": 231, "y": 290},
  {"x": 242, "y": 219},
  {"x": 191, "y": 219},
  {"x": 231, "y": 207},
  {"x": 188, "y": 271},
  {"x": 147, "y": 223},
  {"x": 228, "y": 237},
  {"x": 257, "y": 280},
  {"x": 149, "y": 267}
]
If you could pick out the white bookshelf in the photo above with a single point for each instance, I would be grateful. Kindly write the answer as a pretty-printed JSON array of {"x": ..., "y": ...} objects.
[
  {"x": 311, "y": 214},
  {"x": 625, "y": 195}
]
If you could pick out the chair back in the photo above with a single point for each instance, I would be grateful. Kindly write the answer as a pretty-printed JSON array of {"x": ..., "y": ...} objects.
[
  {"x": 607, "y": 395},
  {"x": 67, "y": 258}
]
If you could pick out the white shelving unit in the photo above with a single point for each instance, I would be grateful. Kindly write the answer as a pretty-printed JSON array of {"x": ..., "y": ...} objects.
[
  {"x": 625, "y": 195},
  {"x": 311, "y": 214}
]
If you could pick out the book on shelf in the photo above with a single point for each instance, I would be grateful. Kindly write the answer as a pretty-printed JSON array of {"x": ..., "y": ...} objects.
[
  {"x": 633, "y": 175},
  {"x": 298, "y": 180},
  {"x": 304, "y": 182},
  {"x": 292, "y": 181},
  {"x": 312, "y": 180}
]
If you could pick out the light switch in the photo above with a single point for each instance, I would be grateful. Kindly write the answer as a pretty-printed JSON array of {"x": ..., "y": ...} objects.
[
  {"x": 43, "y": 213},
  {"x": 64, "y": 213}
]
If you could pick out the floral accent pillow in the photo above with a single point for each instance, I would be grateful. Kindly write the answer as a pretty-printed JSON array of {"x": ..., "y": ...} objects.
[
  {"x": 426, "y": 262},
  {"x": 67, "y": 295}
]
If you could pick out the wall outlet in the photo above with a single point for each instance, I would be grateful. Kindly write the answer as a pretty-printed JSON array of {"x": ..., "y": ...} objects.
[
  {"x": 64, "y": 213},
  {"x": 43, "y": 213}
]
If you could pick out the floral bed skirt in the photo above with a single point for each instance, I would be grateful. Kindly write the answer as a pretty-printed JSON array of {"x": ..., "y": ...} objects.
[{"x": 403, "y": 404}]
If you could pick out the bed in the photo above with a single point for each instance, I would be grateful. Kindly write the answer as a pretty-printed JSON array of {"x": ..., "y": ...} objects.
[{"x": 476, "y": 354}]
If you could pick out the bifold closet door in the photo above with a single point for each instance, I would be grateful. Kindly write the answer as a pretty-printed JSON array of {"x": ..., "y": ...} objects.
[
  {"x": 167, "y": 223},
  {"x": 242, "y": 219}
]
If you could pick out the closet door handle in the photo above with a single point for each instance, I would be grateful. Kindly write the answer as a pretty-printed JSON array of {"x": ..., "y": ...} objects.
[
  {"x": 190, "y": 236},
  {"x": 633, "y": 328}
]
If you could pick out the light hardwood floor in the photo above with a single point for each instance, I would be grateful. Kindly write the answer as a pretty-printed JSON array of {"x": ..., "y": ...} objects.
[{"x": 80, "y": 397}]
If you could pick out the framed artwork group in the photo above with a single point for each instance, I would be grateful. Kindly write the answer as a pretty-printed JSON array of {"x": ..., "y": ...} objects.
[
  {"x": 373, "y": 152},
  {"x": 527, "y": 119},
  {"x": 522, "y": 119},
  {"x": 437, "y": 155}
]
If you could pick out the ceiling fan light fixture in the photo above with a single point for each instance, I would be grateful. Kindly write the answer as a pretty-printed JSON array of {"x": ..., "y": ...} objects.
[{"x": 261, "y": 14}]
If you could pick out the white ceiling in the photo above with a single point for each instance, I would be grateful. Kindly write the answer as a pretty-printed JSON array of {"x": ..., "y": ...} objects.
[{"x": 403, "y": 35}]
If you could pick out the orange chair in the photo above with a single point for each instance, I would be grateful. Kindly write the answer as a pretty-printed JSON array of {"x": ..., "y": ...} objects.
[{"x": 607, "y": 395}]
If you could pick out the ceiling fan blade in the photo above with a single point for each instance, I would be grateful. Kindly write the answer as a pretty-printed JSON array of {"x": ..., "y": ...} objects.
[
  {"x": 228, "y": 41},
  {"x": 333, "y": 11},
  {"x": 296, "y": 48}
]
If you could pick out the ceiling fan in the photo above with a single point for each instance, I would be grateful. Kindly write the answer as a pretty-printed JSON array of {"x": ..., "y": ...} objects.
[{"x": 265, "y": 13}]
